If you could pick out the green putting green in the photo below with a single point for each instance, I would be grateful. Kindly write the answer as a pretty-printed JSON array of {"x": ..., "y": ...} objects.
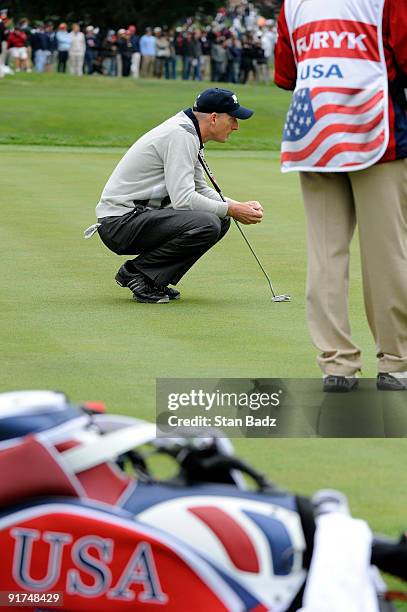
[
  {"x": 65, "y": 324},
  {"x": 69, "y": 307}
]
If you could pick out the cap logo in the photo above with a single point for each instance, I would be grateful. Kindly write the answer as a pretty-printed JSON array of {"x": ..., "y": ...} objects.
[{"x": 235, "y": 99}]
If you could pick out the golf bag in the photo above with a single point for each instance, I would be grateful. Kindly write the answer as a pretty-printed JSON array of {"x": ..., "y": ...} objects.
[{"x": 85, "y": 525}]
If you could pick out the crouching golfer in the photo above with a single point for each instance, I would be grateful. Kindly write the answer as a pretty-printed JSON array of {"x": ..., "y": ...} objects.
[{"x": 157, "y": 204}]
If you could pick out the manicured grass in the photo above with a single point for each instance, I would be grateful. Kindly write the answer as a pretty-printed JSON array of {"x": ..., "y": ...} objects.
[
  {"x": 62, "y": 305},
  {"x": 65, "y": 324},
  {"x": 57, "y": 109}
]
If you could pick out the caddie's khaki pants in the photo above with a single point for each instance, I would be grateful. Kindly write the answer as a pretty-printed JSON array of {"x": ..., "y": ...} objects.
[{"x": 375, "y": 198}]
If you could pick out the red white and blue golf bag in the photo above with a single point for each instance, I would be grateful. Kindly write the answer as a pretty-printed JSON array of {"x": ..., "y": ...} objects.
[{"x": 84, "y": 525}]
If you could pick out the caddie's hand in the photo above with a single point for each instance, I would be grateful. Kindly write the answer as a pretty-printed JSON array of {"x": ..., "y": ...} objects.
[{"x": 247, "y": 213}]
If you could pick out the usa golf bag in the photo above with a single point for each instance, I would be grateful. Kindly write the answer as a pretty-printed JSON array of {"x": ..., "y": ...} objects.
[{"x": 85, "y": 524}]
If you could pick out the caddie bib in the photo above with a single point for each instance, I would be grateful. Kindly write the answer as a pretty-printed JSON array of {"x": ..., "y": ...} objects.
[{"x": 338, "y": 116}]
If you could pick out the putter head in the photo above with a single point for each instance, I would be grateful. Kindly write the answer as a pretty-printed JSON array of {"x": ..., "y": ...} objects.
[{"x": 281, "y": 298}]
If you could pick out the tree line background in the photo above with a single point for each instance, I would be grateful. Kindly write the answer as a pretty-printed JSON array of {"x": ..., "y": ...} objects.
[
  {"x": 108, "y": 13},
  {"x": 111, "y": 14}
]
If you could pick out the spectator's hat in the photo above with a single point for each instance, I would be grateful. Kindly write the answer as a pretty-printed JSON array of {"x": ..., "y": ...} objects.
[
  {"x": 3, "y": 12},
  {"x": 215, "y": 100}
]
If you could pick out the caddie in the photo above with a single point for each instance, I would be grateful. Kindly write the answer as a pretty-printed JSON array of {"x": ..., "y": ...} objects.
[
  {"x": 346, "y": 133},
  {"x": 157, "y": 204}
]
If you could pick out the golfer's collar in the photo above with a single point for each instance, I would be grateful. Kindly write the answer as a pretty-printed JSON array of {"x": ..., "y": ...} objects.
[{"x": 190, "y": 114}]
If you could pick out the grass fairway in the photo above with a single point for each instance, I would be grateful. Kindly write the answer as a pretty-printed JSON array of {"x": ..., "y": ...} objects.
[
  {"x": 65, "y": 324},
  {"x": 56, "y": 109}
]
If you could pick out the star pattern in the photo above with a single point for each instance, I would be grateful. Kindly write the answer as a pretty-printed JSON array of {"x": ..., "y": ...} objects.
[{"x": 300, "y": 117}]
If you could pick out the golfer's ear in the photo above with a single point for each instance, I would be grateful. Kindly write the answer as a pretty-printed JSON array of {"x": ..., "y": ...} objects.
[{"x": 213, "y": 117}]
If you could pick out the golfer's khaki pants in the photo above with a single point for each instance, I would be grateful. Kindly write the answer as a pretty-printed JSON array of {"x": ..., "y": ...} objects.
[{"x": 375, "y": 198}]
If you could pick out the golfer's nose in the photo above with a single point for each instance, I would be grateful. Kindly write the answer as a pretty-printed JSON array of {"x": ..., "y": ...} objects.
[{"x": 235, "y": 125}]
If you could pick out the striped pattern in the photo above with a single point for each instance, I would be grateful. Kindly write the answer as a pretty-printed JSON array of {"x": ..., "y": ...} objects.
[
  {"x": 145, "y": 291},
  {"x": 333, "y": 126},
  {"x": 233, "y": 537},
  {"x": 138, "y": 283}
]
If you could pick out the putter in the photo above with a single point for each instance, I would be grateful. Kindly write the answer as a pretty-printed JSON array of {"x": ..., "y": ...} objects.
[{"x": 274, "y": 298}]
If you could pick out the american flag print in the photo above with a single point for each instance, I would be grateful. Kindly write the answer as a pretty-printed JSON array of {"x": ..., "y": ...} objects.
[{"x": 333, "y": 128}]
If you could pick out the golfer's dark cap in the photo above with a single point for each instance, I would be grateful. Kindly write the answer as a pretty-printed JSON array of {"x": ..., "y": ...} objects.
[{"x": 215, "y": 100}]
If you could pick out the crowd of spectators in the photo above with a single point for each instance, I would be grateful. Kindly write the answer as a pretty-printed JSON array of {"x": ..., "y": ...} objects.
[{"x": 237, "y": 45}]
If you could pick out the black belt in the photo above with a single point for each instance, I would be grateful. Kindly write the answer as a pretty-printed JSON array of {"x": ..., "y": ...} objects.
[{"x": 137, "y": 205}]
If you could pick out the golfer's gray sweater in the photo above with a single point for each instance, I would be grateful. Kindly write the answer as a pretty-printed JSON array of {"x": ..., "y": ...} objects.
[{"x": 163, "y": 162}]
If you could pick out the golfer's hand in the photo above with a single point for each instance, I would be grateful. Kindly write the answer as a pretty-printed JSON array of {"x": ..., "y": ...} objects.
[{"x": 246, "y": 212}]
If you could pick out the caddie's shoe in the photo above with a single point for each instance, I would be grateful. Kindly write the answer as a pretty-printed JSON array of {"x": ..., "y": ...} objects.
[
  {"x": 340, "y": 384},
  {"x": 172, "y": 293},
  {"x": 394, "y": 381},
  {"x": 142, "y": 288}
]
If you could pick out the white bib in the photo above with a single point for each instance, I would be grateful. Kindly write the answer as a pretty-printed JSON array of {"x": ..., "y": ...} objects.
[{"x": 338, "y": 117}]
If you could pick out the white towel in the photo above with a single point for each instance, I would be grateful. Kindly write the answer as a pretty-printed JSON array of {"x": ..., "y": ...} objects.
[
  {"x": 88, "y": 233},
  {"x": 340, "y": 579}
]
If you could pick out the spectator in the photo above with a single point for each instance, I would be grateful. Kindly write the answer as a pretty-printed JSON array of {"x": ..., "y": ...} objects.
[
  {"x": 51, "y": 45},
  {"x": 162, "y": 47},
  {"x": 63, "y": 40},
  {"x": 18, "y": 51},
  {"x": 109, "y": 54},
  {"x": 179, "y": 43},
  {"x": 268, "y": 39},
  {"x": 250, "y": 17},
  {"x": 220, "y": 15},
  {"x": 77, "y": 50},
  {"x": 136, "y": 55},
  {"x": 237, "y": 23},
  {"x": 193, "y": 52},
  {"x": 91, "y": 49},
  {"x": 206, "y": 56},
  {"x": 219, "y": 60},
  {"x": 197, "y": 54},
  {"x": 260, "y": 63},
  {"x": 24, "y": 26},
  {"x": 247, "y": 63},
  {"x": 125, "y": 50},
  {"x": 172, "y": 60},
  {"x": 119, "y": 63},
  {"x": 40, "y": 47},
  {"x": 234, "y": 48},
  {"x": 187, "y": 56},
  {"x": 147, "y": 50}
]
